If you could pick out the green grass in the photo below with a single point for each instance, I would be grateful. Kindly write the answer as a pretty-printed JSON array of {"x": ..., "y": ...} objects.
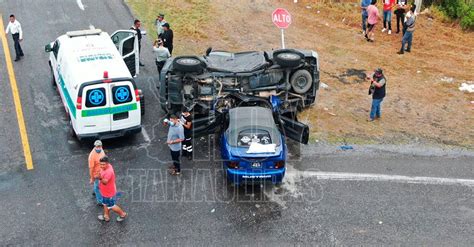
[{"x": 187, "y": 19}]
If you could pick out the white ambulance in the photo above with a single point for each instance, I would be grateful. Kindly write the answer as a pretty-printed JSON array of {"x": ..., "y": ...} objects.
[{"x": 94, "y": 74}]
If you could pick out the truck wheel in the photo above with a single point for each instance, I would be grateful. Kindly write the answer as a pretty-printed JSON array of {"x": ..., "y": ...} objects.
[
  {"x": 301, "y": 81},
  {"x": 288, "y": 58},
  {"x": 188, "y": 64}
]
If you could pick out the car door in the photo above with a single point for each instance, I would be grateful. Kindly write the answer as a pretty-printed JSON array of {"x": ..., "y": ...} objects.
[
  {"x": 126, "y": 42},
  {"x": 124, "y": 107},
  {"x": 294, "y": 130},
  {"x": 95, "y": 113}
]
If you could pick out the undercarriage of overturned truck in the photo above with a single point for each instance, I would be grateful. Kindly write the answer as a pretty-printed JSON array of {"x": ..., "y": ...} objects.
[{"x": 284, "y": 80}]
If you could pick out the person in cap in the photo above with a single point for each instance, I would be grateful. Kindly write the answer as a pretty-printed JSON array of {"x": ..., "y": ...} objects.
[
  {"x": 108, "y": 189},
  {"x": 377, "y": 90},
  {"x": 167, "y": 37},
  {"x": 186, "y": 121},
  {"x": 160, "y": 20},
  {"x": 409, "y": 28},
  {"x": 174, "y": 140},
  {"x": 161, "y": 54},
  {"x": 94, "y": 169}
]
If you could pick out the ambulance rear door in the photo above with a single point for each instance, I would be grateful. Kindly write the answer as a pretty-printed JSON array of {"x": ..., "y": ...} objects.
[
  {"x": 95, "y": 112},
  {"x": 124, "y": 105}
]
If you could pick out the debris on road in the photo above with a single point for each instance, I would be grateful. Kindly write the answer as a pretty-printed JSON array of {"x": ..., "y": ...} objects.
[
  {"x": 468, "y": 86},
  {"x": 213, "y": 210},
  {"x": 324, "y": 85},
  {"x": 346, "y": 147},
  {"x": 447, "y": 79}
]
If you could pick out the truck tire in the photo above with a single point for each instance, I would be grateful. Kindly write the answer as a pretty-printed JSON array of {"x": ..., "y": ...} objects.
[
  {"x": 301, "y": 81},
  {"x": 288, "y": 58},
  {"x": 188, "y": 64}
]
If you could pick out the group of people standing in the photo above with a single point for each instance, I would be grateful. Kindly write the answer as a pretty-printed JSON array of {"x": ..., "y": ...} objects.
[
  {"x": 163, "y": 45},
  {"x": 405, "y": 15}
]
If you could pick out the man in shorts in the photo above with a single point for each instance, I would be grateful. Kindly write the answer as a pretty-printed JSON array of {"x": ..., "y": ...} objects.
[
  {"x": 372, "y": 20},
  {"x": 109, "y": 191}
]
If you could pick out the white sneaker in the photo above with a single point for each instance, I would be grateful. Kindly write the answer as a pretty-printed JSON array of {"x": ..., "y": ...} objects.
[
  {"x": 389, "y": 31},
  {"x": 383, "y": 30}
]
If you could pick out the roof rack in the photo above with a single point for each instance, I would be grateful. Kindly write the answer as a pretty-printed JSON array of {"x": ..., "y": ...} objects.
[{"x": 79, "y": 33}]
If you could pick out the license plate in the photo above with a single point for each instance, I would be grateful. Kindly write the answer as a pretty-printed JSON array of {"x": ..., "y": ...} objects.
[{"x": 256, "y": 165}]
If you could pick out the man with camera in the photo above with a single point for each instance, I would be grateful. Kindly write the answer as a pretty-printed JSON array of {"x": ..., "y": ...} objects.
[{"x": 377, "y": 90}]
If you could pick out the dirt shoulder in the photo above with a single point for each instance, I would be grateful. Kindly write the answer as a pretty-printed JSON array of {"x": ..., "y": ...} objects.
[{"x": 423, "y": 102}]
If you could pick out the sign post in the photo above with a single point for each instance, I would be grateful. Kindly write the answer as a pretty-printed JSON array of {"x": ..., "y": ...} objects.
[{"x": 282, "y": 19}]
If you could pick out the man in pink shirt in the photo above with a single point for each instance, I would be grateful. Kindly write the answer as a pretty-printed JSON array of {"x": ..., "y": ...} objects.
[
  {"x": 109, "y": 191},
  {"x": 373, "y": 19},
  {"x": 387, "y": 15}
]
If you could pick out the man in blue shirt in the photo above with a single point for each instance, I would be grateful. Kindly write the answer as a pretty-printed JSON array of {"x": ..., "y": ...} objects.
[
  {"x": 363, "y": 5},
  {"x": 175, "y": 137}
]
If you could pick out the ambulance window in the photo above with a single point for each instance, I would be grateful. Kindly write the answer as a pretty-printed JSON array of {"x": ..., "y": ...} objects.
[
  {"x": 121, "y": 94},
  {"x": 128, "y": 47},
  {"x": 95, "y": 97}
]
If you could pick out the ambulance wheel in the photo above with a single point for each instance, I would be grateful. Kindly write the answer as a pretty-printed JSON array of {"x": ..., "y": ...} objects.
[
  {"x": 142, "y": 104},
  {"x": 71, "y": 131},
  {"x": 53, "y": 80}
]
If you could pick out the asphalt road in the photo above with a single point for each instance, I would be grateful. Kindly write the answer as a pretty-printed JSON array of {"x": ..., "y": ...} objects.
[{"x": 373, "y": 196}]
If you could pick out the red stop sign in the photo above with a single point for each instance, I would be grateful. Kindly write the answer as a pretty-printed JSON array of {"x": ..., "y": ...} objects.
[{"x": 281, "y": 18}]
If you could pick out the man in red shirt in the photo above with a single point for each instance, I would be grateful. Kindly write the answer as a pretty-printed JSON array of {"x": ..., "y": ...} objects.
[
  {"x": 109, "y": 191},
  {"x": 387, "y": 15}
]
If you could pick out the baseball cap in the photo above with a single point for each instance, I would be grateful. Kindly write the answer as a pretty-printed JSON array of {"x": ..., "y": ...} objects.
[
  {"x": 97, "y": 143},
  {"x": 166, "y": 25}
]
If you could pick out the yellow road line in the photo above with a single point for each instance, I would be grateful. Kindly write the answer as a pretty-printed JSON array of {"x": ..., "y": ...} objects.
[{"x": 16, "y": 99}]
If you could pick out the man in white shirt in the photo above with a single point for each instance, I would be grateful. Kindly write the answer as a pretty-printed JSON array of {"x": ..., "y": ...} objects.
[{"x": 14, "y": 27}]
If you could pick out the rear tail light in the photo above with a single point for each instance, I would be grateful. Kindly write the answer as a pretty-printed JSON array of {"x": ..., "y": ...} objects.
[
  {"x": 137, "y": 94},
  {"x": 79, "y": 103},
  {"x": 279, "y": 164},
  {"x": 233, "y": 165}
]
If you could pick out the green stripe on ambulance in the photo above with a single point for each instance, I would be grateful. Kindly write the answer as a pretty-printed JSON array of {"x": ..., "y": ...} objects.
[{"x": 109, "y": 110}]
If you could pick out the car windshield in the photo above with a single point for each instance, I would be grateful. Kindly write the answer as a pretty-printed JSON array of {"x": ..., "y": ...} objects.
[{"x": 252, "y": 124}]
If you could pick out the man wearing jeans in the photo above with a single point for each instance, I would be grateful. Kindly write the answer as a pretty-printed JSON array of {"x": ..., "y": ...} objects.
[
  {"x": 377, "y": 89},
  {"x": 363, "y": 5},
  {"x": 410, "y": 28},
  {"x": 94, "y": 169},
  {"x": 175, "y": 137},
  {"x": 387, "y": 15}
]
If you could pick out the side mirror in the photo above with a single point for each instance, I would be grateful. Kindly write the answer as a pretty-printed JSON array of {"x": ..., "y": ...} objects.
[{"x": 47, "y": 48}]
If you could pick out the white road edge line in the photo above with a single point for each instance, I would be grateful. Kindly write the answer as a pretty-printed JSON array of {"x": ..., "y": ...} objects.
[
  {"x": 79, "y": 3},
  {"x": 338, "y": 176}
]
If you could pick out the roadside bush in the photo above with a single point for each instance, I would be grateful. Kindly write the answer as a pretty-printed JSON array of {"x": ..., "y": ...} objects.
[{"x": 462, "y": 10}]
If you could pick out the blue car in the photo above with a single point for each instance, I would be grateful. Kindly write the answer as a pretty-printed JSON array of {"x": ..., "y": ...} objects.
[{"x": 252, "y": 146}]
